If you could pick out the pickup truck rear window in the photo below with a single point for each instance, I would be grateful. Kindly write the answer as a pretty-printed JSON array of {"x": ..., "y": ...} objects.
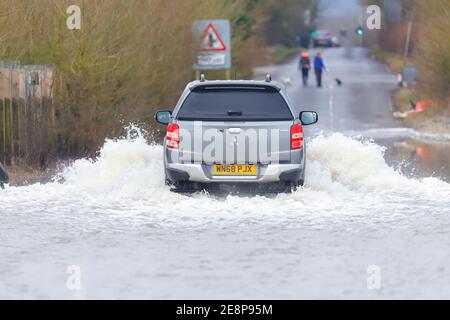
[{"x": 235, "y": 104}]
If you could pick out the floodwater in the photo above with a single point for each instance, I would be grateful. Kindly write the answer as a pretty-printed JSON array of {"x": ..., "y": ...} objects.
[{"x": 114, "y": 221}]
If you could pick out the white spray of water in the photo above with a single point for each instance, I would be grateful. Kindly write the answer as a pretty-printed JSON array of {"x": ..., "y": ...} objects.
[
  {"x": 115, "y": 214},
  {"x": 341, "y": 161},
  {"x": 340, "y": 169}
]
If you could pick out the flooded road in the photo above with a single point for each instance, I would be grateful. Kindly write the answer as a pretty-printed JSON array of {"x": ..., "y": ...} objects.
[
  {"x": 381, "y": 204},
  {"x": 372, "y": 222},
  {"x": 418, "y": 158},
  {"x": 130, "y": 237},
  {"x": 376, "y": 196}
]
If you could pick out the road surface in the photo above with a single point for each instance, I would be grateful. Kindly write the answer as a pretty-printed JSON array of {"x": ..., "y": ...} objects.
[
  {"x": 361, "y": 103},
  {"x": 360, "y": 229},
  {"x": 362, "y": 107},
  {"x": 371, "y": 222}
]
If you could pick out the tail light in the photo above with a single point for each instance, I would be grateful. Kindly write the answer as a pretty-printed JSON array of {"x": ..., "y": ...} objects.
[
  {"x": 172, "y": 136},
  {"x": 296, "y": 137}
]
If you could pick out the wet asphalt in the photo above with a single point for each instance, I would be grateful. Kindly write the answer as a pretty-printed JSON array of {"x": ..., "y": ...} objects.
[
  {"x": 362, "y": 107},
  {"x": 363, "y": 100}
]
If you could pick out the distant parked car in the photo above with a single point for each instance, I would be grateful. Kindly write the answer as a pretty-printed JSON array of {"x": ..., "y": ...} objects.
[{"x": 322, "y": 38}]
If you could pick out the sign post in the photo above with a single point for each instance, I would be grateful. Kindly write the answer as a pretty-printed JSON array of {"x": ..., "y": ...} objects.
[
  {"x": 213, "y": 41},
  {"x": 393, "y": 10}
]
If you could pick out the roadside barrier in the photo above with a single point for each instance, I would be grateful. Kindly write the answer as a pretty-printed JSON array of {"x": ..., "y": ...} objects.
[{"x": 26, "y": 112}]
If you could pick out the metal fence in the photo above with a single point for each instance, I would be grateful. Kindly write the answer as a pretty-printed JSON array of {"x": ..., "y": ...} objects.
[{"x": 27, "y": 114}]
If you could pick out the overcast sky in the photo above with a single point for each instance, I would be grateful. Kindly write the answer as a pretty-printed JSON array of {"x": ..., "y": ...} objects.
[{"x": 337, "y": 7}]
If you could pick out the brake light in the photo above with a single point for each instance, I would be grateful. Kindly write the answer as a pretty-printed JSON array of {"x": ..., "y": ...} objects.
[
  {"x": 172, "y": 137},
  {"x": 296, "y": 137}
]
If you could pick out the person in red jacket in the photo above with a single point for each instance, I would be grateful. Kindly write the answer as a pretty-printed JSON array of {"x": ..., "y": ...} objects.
[{"x": 305, "y": 66}]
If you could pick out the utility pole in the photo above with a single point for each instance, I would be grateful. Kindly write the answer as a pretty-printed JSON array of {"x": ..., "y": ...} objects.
[
  {"x": 361, "y": 23},
  {"x": 408, "y": 34},
  {"x": 307, "y": 17}
]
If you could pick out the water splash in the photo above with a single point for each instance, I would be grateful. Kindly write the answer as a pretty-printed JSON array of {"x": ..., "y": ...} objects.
[
  {"x": 339, "y": 169},
  {"x": 114, "y": 216}
]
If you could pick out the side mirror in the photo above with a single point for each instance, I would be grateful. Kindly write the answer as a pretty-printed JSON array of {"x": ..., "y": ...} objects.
[
  {"x": 163, "y": 117},
  {"x": 308, "y": 117}
]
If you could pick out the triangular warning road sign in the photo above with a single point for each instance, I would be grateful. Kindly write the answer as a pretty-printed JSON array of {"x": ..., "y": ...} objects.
[{"x": 211, "y": 40}]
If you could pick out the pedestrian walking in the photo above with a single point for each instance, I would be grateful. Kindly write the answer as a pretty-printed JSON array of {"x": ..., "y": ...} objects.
[
  {"x": 319, "y": 67},
  {"x": 305, "y": 66}
]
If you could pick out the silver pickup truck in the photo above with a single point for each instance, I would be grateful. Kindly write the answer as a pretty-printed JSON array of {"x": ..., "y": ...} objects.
[{"x": 238, "y": 133}]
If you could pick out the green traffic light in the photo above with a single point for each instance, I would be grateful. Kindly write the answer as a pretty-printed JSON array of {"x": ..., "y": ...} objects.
[{"x": 360, "y": 31}]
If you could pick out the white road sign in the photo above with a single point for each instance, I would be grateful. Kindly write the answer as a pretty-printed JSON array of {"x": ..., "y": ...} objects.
[{"x": 213, "y": 41}]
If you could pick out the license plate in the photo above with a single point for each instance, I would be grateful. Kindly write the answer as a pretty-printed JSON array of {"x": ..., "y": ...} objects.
[{"x": 234, "y": 170}]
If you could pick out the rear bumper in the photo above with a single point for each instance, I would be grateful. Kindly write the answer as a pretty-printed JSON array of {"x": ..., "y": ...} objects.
[{"x": 177, "y": 172}]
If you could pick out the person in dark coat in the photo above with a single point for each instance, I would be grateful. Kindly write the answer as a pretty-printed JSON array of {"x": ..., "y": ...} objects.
[
  {"x": 319, "y": 66},
  {"x": 305, "y": 66}
]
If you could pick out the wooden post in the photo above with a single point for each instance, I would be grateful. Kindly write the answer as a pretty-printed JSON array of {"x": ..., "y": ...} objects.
[
  {"x": 11, "y": 118},
  {"x": 2, "y": 130},
  {"x": 29, "y": 115},
  {"x": 27, "y": 125},
  {"x": 16, "y": 114},
  {"x": 7, "y": 131}
]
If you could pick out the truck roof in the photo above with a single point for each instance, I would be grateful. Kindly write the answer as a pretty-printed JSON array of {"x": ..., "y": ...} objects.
[{"x": 235, "y": 83}]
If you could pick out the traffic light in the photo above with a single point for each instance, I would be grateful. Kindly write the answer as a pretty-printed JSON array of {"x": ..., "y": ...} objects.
[
  {"x": 314, "y": 33},
  {"x": 360, "y": 31}
]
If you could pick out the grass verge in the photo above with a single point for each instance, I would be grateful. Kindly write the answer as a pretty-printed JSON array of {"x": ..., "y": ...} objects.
[
  {"x": 20, "y": 176},
  {"x": 402, "y": 99},
  {"x": 393, "y": 61},
  {"x": 432, "y": 120},
  {"x": 280, "y": 54}
]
